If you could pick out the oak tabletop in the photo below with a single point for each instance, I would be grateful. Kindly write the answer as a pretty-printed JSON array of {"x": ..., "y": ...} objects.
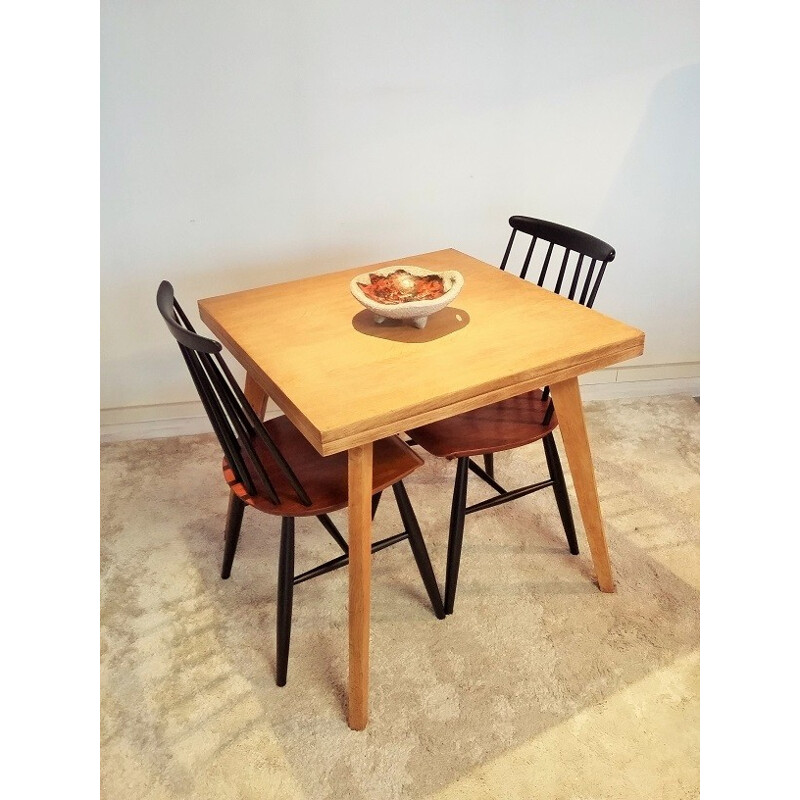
[{"x": 344, "y": 380}]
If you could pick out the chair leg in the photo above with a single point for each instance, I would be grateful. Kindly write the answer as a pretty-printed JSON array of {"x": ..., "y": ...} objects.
[
  {"x": 488, "y": 464},
  {"x": 233, "y": 526},
  {"x": 418, "y": 547},
  {"x": 376, "y": 498},
  {"x": 285, "y": 590},
  {"x": 333, "y": 532},
  {"x": 560, "y": 491},
  {"x": 457, "y": 514}
]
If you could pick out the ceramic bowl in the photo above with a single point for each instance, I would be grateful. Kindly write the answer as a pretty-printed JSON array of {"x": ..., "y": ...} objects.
[{"x": 414, "y": 311}]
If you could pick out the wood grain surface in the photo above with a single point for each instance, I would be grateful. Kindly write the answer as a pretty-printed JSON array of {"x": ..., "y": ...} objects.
[{"x": 345, "y": 380}]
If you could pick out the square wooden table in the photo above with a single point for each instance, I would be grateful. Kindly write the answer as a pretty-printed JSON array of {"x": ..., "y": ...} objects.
[{"x": 346, "y": 381}]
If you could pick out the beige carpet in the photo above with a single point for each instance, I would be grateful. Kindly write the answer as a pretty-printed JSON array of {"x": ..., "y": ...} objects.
[{"x": 539, "y": 686}]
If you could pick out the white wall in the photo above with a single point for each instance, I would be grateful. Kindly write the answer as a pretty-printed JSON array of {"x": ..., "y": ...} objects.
[{"x": 246, "y": 142}]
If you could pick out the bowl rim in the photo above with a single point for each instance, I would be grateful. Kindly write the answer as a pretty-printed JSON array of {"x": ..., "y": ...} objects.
[{"x": 450, "y": 294}]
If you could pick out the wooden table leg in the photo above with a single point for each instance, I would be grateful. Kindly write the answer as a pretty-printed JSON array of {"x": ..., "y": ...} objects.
[
  {"x": 360, "y": 534},
  {"x": 567, "y": 399},
  {"x": 256, "y": 396}
]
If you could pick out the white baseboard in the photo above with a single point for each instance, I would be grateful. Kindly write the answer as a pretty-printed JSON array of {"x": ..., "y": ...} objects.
[
  {"x": 158, "y": 421},
  {"x": 612, "y": 391},
  {"x": 181, "y": 419}
]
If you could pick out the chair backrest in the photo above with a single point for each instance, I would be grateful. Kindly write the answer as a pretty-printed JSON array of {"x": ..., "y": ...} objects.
[
  {"x": 568, "y": 276},
  {"x": 232, "y": 417}
]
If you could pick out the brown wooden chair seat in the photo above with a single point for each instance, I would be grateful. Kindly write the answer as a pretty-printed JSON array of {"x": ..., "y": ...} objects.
[
  {"x": 323, "y": 477},
  {"x": 524, "y": 419},
  {"x": 273, "y": 468},
  {"x": 501, "y": 426}
]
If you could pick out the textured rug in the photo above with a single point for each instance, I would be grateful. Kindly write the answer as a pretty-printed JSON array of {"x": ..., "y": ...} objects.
[{"x": 539, "y": 685}]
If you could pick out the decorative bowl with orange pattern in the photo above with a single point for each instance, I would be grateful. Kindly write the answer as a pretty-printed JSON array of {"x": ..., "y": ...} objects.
[{"x": 406, "y": 292}]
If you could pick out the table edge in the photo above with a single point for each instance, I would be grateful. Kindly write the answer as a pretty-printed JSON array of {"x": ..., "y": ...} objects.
[{"x": 337, "y": 440}]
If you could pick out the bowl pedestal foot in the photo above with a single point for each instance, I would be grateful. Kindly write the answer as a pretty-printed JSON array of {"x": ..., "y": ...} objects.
[{"x": 417, "y": 322}]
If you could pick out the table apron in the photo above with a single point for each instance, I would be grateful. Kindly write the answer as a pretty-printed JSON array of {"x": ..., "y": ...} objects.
[{"x": 345, "y": 439}]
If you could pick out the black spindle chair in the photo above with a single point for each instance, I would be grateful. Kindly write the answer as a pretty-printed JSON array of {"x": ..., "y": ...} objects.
[
  {"x": 273, "y": 468},
  {"x": 570, "y": 263}
]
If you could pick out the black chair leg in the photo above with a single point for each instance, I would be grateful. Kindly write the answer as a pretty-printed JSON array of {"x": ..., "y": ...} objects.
[
  {"x": 560, "y": 491},
  {"x": 376, "y": 498},
  {"x": 333, "y": 531},
  {"x": 285, "y": 590},
  {"x": 418, "y": 547},
  {"x": 455, "y": 539},
  {"x": 233, "y": 526},
  {"x": 488, "y": 464}
]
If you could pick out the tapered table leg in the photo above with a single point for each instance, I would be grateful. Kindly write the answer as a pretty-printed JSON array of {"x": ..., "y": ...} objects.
[
  {"x": 567, "y": 400},
  {"x": 256, "y": 396},
  {"x": 360, "y": 530}
]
